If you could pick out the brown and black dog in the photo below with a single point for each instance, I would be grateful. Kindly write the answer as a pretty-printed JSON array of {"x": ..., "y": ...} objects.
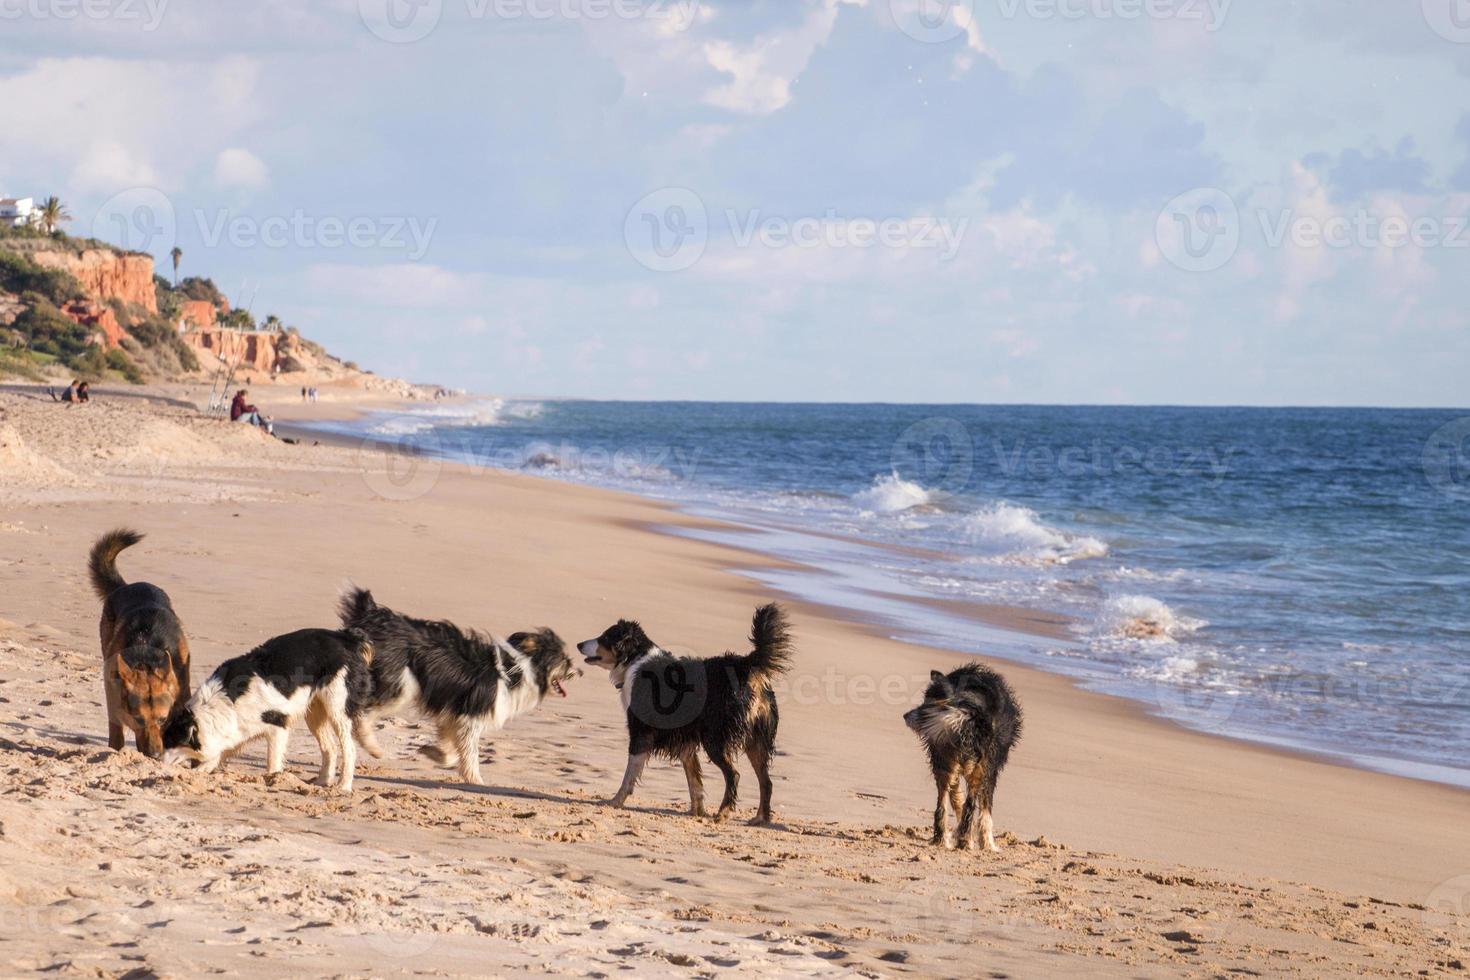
[{"x": 145, "y": 657}]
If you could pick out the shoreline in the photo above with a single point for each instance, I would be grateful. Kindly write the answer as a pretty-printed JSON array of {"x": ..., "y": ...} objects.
[
  {"x": 1120, "y": 833},
  {"x": 1037, "y": 624}
]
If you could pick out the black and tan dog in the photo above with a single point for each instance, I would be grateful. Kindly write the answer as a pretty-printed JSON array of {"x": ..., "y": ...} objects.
[
  {"x": 145, "y": 657},
  {"x": 969, "y": 722},
  {"x": 676, "y": 705}
]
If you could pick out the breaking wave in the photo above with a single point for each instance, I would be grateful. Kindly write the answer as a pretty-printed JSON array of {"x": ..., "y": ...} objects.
[
  {"x": 1014, "y": 530},
  {"x": 892, "y": 494}
]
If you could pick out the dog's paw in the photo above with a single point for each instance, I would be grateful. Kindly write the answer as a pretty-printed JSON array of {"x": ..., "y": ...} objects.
[
  {"x": 759, "y": 820},
  {"x": 436, "y": 755},
  {"x": 616, "y": 802}
]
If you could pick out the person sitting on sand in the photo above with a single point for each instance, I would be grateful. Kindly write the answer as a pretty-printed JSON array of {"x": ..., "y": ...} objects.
[
  {"x": 68, "y": 396},
  {"x": 243, "y": 411},
  {"x": 84, "y": 392}
]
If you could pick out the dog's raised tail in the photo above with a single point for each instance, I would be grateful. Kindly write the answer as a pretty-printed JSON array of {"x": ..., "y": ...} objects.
[
  {"x": 770, "y": 641},
  {"x": 363, "y": 643},
  {"x": 103, "y": 563},
  {"x": 354, "y": 606}
]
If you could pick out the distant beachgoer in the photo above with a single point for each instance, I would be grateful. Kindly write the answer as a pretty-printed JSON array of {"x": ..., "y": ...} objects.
[
  {"x": 303, "y": 394},
  {"x": 242, "y": 411},
  {"x": 69, "y": 395},
  {"x": 84, "y": 392}
]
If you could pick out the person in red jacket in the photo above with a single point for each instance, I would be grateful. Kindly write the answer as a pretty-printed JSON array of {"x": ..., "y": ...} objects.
[{"x": 243, "y": 411}]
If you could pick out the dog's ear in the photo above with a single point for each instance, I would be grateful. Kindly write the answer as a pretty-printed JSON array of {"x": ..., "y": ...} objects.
[
  {"x": 939, "y": 686},
  {"x": 541, "y": 644},
  {"x": 625, "y": 637}
]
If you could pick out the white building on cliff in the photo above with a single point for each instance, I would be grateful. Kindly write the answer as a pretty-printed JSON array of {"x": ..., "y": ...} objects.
[{"x": 17, "y": 212}]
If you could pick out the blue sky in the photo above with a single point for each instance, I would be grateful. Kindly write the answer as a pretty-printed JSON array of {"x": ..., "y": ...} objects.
[{"x": 1138, "y": 201}]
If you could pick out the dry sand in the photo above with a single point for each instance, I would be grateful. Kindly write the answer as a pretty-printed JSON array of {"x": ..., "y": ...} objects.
[{"x": 1129, "y": 847}]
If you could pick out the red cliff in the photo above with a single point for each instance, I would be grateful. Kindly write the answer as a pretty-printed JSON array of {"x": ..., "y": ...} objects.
[
  {"x": 104, "y": 274},
  {"x": 110, "y": 333}
]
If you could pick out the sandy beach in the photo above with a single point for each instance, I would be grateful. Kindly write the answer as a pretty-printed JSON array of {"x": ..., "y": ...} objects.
[{"x": 1130, "y": 847}]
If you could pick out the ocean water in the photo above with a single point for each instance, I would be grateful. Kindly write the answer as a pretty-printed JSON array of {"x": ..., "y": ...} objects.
[{"x": 1293, "y": 576}]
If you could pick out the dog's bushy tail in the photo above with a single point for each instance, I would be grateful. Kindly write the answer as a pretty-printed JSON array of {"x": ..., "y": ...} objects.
[
  {"x": 354, "y": 607},
  {"x": 770, "y": 641},
  {"x": 103, "y": 563},
  {"x": 363, "y": 644}
]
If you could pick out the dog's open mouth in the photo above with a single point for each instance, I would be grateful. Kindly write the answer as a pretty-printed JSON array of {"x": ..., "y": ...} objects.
[{"x": 556, "y": 686}]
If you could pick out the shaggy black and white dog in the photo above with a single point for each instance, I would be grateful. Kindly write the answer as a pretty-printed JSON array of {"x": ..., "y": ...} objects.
[
  {"x": 463, "y": 681},
  {"x": 677, "y": 705},
  {"x": 969, "y": 722},
  {"x": 321, "y": 675}
]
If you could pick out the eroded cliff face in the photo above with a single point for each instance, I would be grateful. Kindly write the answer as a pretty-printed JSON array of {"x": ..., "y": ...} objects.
[{"x": 105, "y": 275}]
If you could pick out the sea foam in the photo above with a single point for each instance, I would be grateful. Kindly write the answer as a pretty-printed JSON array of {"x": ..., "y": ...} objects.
[
  {"x": 1142, "y": 617},
  {"x": 494, "y": 411},
  {"x": 1018, "y": 531},
  {"x": 892, "y": 494}
]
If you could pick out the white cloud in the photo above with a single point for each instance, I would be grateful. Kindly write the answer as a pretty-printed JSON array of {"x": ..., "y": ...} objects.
[
  {"x": 110, "y": 124},
  {"x": 762, "y": 71},
  {"x": 236, "y": 167}
]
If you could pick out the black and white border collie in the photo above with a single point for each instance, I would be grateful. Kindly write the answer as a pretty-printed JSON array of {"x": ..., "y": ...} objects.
[
  {"x": 463, "y": 681},
  {"x": 320, "y": 675},
  {"x": 969, "y": 722},
  {"x": 676, "y": 705}
]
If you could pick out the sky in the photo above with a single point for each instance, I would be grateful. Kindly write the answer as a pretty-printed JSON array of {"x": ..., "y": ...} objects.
[{"x": 1043, "y": 201}]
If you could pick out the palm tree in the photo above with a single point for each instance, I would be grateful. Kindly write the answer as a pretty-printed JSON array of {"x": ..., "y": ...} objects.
[
  {"x": 273, "y": 323},
  {"x": 176, "y": 254},
  {"x": 52, "y": 213}
]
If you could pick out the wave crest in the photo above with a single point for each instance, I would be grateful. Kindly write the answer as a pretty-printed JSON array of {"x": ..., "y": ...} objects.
[
  {"x": 1142, "y": 617},
  {"x": 892, "y": 494},
  {"x": 494, "y": 411},
  {"x": 1017, "y": 530}
]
